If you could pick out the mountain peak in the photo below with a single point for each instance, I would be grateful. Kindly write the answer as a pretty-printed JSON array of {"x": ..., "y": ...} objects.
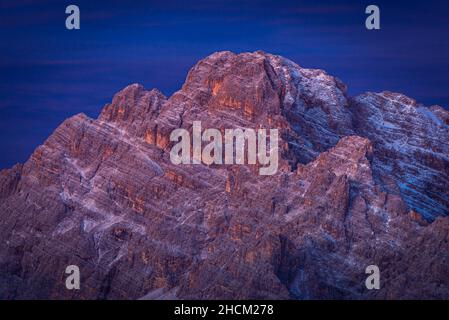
[{"x": 353, "y": 171}]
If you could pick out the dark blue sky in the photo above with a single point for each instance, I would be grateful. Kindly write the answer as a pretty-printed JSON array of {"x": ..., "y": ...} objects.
[{"x": 48, "y": 73}]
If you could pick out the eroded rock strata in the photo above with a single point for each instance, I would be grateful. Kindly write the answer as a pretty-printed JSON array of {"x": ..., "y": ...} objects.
[{"x": 362, "y": 180}]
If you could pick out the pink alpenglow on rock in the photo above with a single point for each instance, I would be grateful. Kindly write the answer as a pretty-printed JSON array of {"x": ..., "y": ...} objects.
[{"x": 360, "y": 181}]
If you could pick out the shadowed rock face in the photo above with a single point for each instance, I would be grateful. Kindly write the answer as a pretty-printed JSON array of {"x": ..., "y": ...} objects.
[
  {"x": 411, "y": 148},
  {"x": 356, "y": 177}
]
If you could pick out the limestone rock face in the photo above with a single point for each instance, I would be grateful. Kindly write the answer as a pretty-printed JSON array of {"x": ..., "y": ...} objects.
[
  {"x": 362, "y": 181},
  {"x": 411, "y": 147}
]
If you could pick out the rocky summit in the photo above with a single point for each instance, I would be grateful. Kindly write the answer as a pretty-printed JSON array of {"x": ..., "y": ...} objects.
[{"x": 361, "y": 181}]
